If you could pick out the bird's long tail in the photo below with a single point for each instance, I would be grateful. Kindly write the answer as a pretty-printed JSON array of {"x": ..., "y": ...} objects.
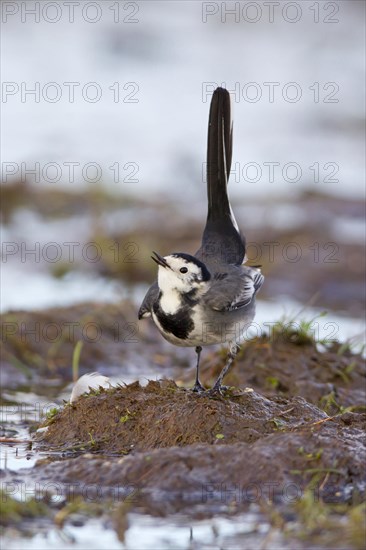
[{"x": 221, "y": 239}]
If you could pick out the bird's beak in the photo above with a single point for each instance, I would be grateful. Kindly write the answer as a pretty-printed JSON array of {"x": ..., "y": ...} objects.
[{"x": 160, "y": 260}]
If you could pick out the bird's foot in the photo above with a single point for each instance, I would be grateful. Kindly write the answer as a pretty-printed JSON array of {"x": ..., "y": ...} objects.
[
  {"x": 217, "y": 391},
  {"x": 198, "y": 388}
]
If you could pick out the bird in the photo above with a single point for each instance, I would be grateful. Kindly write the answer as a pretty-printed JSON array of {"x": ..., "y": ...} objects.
[{"x": 208, "y": 298}]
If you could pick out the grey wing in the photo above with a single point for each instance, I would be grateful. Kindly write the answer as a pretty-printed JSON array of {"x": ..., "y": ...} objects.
[
  {"x": 147, "y": 303},
  {"x": 234, "y": 290}
]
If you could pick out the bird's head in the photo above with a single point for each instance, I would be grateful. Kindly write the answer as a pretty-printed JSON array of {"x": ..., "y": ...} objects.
[{"x": 181, "y": 272}]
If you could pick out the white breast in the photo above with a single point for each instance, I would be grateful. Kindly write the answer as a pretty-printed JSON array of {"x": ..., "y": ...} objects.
[{"x": 170, "y": 302}]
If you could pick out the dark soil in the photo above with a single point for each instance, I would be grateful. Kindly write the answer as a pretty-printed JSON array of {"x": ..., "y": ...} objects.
[
  {"x": 163, "y": 415},
  {"x": 289, "y": 364},
  {"x": 293, "y": 442},
  {"x": 185, "y": 447},
  {"x": 38, "y": 346},
  {"x": 277, "y": 466}
]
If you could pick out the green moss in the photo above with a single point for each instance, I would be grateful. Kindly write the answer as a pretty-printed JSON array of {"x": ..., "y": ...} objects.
[
  {"x": 356, "y": 526},
  {"x": 127, "y": 416},
  {"x": 301, "y": 332},
  {"x": 52, "y": 413},
  {"x": 13, "y": 511}
]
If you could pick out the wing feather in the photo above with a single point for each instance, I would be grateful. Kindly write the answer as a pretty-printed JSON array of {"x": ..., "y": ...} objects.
[
  {"x": 235, "y": 291},
  {"x": 148, "y": 301}
]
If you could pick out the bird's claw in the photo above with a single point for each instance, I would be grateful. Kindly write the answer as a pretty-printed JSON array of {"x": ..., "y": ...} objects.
[
  {"x": 217, "y": 391},
  {"x": 198, "y": 388}
]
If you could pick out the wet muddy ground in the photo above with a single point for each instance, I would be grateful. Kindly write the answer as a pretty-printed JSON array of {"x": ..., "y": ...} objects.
[
  {"x": 288, "y": 436},
  {"x": 311, "y": 247},
  {"x": 277, "y": 462}
]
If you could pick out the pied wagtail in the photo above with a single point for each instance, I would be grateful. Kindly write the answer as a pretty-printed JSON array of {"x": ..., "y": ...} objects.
[{"x": 208, "y": 298}]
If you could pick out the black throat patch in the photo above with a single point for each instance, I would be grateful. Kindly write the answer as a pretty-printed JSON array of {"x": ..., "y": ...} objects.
[{"x": 180, "y": 324}]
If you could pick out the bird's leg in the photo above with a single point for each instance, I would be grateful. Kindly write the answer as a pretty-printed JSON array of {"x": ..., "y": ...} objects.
[
  {"x": 198, "y": 386},
  {"x": 217, "y": 388}
]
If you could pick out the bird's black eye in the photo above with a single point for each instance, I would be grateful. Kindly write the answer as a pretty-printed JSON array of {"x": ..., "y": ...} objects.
[{"x": 183, "y": 270}]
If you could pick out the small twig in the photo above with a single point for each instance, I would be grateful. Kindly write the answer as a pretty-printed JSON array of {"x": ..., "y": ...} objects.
[
  {"x": 323, "y": 420},
  {"x": 318, "y": 471},
  {"x": 268, "y": 538},
  {"x": 285, "y": 412},
  {"x": 14, "y": 440},
  {"x": 321, "y": 487}
]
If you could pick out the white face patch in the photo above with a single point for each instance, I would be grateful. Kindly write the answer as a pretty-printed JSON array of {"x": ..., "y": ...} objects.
[{"x": 172, "y": 282}]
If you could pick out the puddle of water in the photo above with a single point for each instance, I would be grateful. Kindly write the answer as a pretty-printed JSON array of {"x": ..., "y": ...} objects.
[
  {"x": 330, "y": 326},
  {"x": 41, "y": 290},
  {"x": 15, "y": 421},
  {"x": 71, "y": 537},
  {"x": 349, "y": 230},
  {"x": 156, "y": 55},
  {"x": 245, "y": 531},
  {"x": 15, "y": 456},
  {"x": 151, "y": 533}
]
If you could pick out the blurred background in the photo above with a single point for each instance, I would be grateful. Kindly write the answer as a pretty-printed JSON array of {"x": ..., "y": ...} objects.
[{"x": 104, "y": 126}]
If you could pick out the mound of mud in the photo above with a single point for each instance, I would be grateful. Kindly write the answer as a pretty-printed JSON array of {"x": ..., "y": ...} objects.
[
  {"x": 278, "y": 467},
  {"x": 301, "y": 425},
  {"x": 289, "y": 364},
  {"x": 183, "y": 448},
  {"x": 164, "y": 415}
]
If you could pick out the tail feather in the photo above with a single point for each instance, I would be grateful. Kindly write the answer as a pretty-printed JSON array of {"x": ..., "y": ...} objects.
[
  {"x": 219, "y": 154},
  {"x": 222, "y": 241}
]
